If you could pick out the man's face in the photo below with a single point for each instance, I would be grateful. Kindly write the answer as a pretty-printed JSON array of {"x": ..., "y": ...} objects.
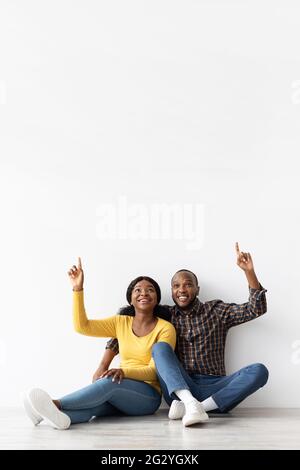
[{"x": 184, "y": 289}]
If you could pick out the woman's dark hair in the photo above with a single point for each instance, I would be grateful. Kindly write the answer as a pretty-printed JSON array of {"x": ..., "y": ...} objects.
[
  {"x": 159, "y": 310},
  {"x": 139, "y": 279}
]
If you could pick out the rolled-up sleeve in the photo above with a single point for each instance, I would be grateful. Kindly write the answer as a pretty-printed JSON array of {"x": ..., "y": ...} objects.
[
  {"x": 235, "y": 314},
  {"x": 113, "y": 344}
]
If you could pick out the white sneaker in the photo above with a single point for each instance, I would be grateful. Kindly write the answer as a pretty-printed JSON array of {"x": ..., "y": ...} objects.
[
  {"x": 195, "y": 413},
  {"x": 30, "y": 411},
  {"x": 44, "y": 406},
  {"x": 177, "y": 410}
]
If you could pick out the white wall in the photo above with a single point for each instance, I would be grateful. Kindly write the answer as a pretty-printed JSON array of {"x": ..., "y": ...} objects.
[{"x": 146, "y": 102}]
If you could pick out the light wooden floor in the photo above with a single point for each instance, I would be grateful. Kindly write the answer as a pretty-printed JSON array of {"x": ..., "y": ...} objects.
[{"x": 244, "y": 428}]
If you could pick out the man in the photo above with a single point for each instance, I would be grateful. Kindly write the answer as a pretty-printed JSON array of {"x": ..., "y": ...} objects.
[{"x": 196, "y": 373}]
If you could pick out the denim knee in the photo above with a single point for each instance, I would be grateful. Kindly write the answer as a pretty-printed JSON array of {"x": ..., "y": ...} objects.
[
  {"x": 261, "y": 373},
  {"x": 161, "y": 347}
]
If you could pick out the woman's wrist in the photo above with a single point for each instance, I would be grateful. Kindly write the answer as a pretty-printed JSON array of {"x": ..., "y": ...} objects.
[{"x": 77, "y": 289}]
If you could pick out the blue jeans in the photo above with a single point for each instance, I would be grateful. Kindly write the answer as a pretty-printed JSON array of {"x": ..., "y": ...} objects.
[
  {"x": 226, "y": 391},
  {"x": 107, "y": 398}
]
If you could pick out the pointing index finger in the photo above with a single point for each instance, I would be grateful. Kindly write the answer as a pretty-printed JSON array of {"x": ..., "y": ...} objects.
[
  {"x": 79, "y": 263},
  {"x": 237, "y": 248}
]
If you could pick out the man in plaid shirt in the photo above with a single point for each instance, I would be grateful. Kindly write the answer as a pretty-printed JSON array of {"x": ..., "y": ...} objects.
[{"x": 196, "y": 373}]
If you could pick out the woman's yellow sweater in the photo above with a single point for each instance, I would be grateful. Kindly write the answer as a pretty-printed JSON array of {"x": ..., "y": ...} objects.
[{"x": 135, "y": 351}]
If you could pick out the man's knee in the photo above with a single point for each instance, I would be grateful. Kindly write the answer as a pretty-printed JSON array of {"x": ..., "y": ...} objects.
[
  {"x": 160, "y": 348},
  {"x": 261, "y": 373}
]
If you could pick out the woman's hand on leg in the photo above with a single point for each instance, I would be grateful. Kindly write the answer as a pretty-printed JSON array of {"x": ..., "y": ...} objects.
[{"x": 116, "y": 374}]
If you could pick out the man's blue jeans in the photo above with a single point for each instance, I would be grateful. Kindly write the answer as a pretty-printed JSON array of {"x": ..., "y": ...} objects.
[
  {"x": 226, "y": 391},
  {"x": 107, "y": 398}
]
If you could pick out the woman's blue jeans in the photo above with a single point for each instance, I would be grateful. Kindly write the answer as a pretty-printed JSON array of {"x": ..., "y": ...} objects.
[
  {"x": 227, "y": 391},
  {"x": 107, "y": 398}
]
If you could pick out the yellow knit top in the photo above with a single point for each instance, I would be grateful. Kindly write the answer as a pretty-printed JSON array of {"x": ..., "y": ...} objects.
[{"x": 135, "y": 351}]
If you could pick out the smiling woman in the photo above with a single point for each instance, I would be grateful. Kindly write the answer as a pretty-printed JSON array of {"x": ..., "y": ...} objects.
[
  {"x": 135, "y": 288},
  {"x": 133, "y": 389},
  {"x": 143, "y": 293}
]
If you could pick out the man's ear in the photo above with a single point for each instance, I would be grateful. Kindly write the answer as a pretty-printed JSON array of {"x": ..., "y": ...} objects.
[{"x": 198, "y": 290}]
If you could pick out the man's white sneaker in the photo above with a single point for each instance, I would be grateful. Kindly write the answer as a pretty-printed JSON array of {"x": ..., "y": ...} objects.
[
  {"x": 30, "y": 411},
  {"x": 44, "y": 406},
  {"x": 195, "y": 413},
  {"x": 177, "y": 410}
]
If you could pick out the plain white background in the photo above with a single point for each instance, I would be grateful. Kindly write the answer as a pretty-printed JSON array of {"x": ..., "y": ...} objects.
[{"x": 158, "y": 102}]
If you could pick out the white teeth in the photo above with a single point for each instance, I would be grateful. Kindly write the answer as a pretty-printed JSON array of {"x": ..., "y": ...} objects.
[{"x": 182, "y": 297}]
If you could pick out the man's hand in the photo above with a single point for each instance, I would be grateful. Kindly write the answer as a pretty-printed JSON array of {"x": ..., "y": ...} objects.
[
  {"x": 108, "y": 356},
  {"x": 244, "y": 260},
  {"x": 99, "y": 372},
  {"x": 116, "y": 374}
]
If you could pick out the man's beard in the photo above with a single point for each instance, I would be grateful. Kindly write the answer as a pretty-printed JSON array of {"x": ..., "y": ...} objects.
[{"x": 189, "y": 306}]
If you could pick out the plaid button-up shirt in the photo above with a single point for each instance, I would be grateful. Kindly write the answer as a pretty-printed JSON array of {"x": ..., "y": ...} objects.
[{"x": 202, "y": 331}]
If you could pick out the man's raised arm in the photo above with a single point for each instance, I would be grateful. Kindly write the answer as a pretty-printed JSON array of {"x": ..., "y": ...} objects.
[
  {"x": 244, "y": 261},
  {"x": 234, "y": 314}
]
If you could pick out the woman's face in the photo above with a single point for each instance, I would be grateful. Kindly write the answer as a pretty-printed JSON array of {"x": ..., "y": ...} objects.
[{"x": 143, "y": 296}]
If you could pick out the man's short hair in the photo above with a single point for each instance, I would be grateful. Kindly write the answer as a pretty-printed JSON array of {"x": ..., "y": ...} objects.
[{"x": 187, "y": 271}]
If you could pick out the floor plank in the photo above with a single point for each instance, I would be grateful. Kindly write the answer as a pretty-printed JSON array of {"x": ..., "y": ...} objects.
[{"x": 243, "y": 428}]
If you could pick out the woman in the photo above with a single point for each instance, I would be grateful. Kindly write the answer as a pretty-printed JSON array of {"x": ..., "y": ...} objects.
[{"x": 133, "y": 389}]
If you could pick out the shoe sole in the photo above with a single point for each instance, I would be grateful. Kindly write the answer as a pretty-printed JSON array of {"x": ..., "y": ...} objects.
[
  {"x": 194, "y": 420},
  {"x": 29, "y": 410},
  {"x": 43, "y": 404}
]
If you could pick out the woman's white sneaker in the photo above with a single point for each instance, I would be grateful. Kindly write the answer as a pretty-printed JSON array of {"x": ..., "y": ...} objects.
[
  {"x": 30, "y": 411},
  {"x": 44, "y": 406}
]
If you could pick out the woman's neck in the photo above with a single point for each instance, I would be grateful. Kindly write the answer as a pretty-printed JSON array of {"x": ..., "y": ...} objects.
[
  {"x": 143, "y": 318},
  {"x": 143, "y": 323}
]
